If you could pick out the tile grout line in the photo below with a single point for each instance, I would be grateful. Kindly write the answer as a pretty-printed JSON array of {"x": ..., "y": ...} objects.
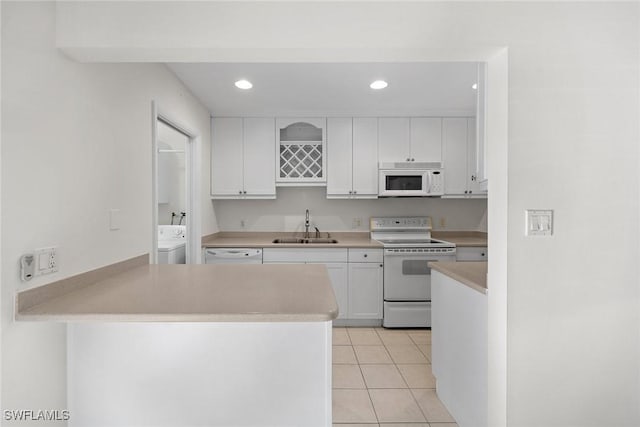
[
  {"x": 403, "y": 379},
  {"x": 384, "y": 345},
  {"x": 375, "y": 413},
  {"x": 367, "y": 388}
]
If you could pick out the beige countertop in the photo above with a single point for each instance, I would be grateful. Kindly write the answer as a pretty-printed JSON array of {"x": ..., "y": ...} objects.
[
  {"x": 240, "y": 239},
  {"x": 472, "y": 274},
  {"x": 462, "y": 238},
  {"x": 265, "y": 240},
  {"x": 192, "y": 293}
]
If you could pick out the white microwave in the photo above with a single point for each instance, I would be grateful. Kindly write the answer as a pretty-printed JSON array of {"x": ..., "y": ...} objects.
[{"x": 410, "y": 179}]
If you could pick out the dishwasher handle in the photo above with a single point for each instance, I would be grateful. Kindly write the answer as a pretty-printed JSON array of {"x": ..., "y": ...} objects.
[{"x": 231, "y": 253}]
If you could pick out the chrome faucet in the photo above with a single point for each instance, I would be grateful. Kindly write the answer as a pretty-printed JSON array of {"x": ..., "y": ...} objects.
[
  {"x": 306, "y": 225},
  {"x": 317, "y": 232}
]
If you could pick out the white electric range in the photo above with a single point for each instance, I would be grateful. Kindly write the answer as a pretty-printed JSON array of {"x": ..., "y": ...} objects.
[{"x": 408, "y": 249}]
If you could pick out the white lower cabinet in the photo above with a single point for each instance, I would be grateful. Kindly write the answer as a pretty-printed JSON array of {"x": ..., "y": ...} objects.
[
  {"x": 365, "y": 290},
  {"x": 356, "y": 276},
  {"x": 339, "y": 275},
  {"x": 471, "y": 253}
]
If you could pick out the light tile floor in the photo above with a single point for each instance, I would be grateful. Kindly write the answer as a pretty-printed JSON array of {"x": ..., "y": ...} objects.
[{"x": 382, "y": 377}]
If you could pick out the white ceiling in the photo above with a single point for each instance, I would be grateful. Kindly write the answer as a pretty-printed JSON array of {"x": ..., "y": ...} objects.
[{"x": 332, "y": 88}]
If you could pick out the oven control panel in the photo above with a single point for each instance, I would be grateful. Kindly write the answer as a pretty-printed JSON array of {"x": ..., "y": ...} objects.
[
  {"x": 400, "y": 223},
  {"x": 409, "y": 251}
]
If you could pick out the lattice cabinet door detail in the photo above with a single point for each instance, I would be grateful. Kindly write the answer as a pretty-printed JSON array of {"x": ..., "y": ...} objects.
[{"x": 301, "y": 153}]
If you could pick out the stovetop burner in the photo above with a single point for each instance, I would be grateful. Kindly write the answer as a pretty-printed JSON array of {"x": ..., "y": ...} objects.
[
  {"x": 408, "y": 232},
  {"x": 407, "y": 241}
]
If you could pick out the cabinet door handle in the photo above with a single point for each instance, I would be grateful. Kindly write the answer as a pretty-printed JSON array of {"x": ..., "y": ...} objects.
[
  {"x": 381, "y": 265},
  {"x": 413, "y": 160},
  {"x": 408, "y": 159},
  {"x": 365, "y": 255},
  {"x": 355, "y": 192},
  {"x": 240, "y": 192},
  {"x": 244, "y": 192}
]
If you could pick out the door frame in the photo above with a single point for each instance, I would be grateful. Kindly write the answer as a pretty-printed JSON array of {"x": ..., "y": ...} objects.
[{"x": 192, "y": 171}]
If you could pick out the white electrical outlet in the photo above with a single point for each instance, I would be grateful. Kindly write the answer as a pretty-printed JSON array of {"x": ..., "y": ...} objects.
[
  {"x": 356, "y": 222},
  {"x": 46, "y": 261},
  {"x": 243, "y": 223}
]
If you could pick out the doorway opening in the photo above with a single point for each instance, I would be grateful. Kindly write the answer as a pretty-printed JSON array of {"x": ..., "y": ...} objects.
[{"x": 175, "y": 203}]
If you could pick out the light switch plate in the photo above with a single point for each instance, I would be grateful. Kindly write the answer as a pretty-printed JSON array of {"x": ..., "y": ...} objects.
[
  {"x": 538, "y": 222},
  {"x": 114, "y": 219}
]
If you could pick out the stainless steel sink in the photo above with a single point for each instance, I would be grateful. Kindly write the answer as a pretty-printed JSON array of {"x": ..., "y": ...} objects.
[
  {"x": 316, "y": 240},
  {"x": 289, "y": 240},
  {"x": 320, "y": 240}
]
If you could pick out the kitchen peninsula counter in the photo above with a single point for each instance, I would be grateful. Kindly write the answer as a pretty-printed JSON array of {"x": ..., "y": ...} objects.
[
  {"x": 172, "y": 345},
  {"x": 188, "y": 293},
  {"x": 459, "y": 355},
  {"x": 471, "y": 274}
]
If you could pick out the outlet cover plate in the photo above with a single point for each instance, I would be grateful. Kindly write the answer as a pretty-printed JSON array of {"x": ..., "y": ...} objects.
[{"x": 46, "y": 260}]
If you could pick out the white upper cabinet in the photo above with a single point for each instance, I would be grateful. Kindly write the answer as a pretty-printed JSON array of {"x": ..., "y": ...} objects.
[
  {"x": 251, "y": 156},
  {"x": 481, "y": 131},
  {"x": 394, "y": 139},
  {"x": 459, "y": 155},
  {"x": 339, "y": 157},
  {"x": 301, "y": 151},
  {"x": 259, "y": 152},
  {"x": 242, "y": 156},
  {"x": 352, "y": 157},
  {"x": 226, "y": 157},
  {"x": 365, "y": 157},
  {"x": 426, "y": 139},
  {"x": 416, "y": 139},
  {"x": 474, "y": 186}
]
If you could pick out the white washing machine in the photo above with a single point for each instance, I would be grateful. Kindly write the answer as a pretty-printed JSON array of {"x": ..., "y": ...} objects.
[
  {"x": 171, "y": 252},
  {"x": 172, "y": 244}
]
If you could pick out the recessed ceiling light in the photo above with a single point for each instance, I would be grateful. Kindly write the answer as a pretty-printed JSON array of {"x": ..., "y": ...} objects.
[
  {"x": 378, "y": 84},
  {"x": 243, "y": 84},
  {"x": 474, "y": 86}
]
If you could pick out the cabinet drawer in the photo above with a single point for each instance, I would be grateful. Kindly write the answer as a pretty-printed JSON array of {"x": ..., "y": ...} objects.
[
  {"x": 471, "y": 253},
  {"x": 365, "y": 255}
]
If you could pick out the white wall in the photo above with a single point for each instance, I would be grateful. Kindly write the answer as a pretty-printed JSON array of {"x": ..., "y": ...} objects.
[
  {"x": 287, "y": 212},
  {"x": 76, "y": 141},
  {"x": 573, "y": 341}
]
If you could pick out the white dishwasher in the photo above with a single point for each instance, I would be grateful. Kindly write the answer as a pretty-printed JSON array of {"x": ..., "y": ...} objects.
[{"x": 232, "y": 256}]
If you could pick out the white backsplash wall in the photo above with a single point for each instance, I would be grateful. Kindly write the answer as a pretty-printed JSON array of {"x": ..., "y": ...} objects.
[{"x": 287, "y": 212}]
